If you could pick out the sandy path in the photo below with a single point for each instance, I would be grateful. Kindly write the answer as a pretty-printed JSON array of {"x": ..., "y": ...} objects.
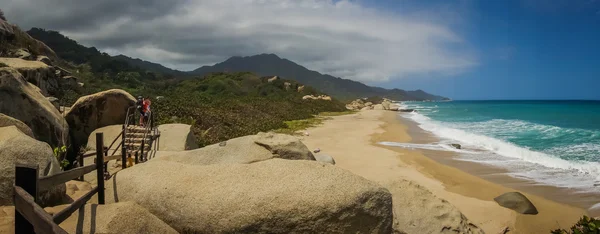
[{"x": 351, "y": 141}]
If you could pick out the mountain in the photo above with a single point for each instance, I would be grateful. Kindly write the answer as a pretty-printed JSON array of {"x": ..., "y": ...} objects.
[
  {"x": 270, "y": 64},
  {"x": 149, "y": 66}
]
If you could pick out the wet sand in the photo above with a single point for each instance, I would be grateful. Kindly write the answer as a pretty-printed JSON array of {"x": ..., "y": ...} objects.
[{"x": 353, "y": 141}]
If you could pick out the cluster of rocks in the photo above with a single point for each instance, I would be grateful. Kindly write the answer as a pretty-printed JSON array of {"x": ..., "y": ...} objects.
[
  {"x": 361, "y": 104},
  {"x": 286, "y": 85},
  {"x": 265, "y": 183},
  {"x": 313, "y": 97}
]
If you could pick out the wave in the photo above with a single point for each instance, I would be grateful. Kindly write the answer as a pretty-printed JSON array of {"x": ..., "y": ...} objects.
[{"x": 506, "y": 149}]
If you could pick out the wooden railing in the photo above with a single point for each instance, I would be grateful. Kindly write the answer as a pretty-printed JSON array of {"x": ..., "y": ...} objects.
[{"x": 29, "y": 216}]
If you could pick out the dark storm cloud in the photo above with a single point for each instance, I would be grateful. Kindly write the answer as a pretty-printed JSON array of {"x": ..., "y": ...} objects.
[{"x": 337, "y": 37}]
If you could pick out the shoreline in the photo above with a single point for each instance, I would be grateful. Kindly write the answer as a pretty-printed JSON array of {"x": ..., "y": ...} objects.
[
  {"x": 499, "y": 175},
  {"x": 353, "y": 142}
]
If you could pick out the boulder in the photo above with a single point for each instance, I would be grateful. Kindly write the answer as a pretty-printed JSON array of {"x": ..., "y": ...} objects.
[
  {"x": 96, "y": 111},
  {"x": 45, "y": 60},
  {"x": 272, "y": 196},
  {"x": 22, "y": 54},
  {"x": 378, "y": 107},
  {"x": 70, "y": 82},
  {"x": 287, "y": 85},
  {"x": 324, "y": 158},
  {"x": 21, "y": 100},
  {"x": 367, "y": 108},
  {"x": 37, "y": 73},
  {"x": 368, "y": 104},
  {"x": 177, "y": 137},
  {"x": 6, "y": 30},
  {"x": 272, "y": 79},
  {"x": 300, "y": 88},
  {"x": 18, "y": 148},
  {"x": 386, "y": 104},
  {"x": 6, "y": 120},
  {"x": 123, "y": 217},
  {"x": 517, "y": 202},
  {"x": 109, "y": 132},
  {"x": 286, "y": 146},
  {"x": 54, "y": 102},
  {"x": 417, "y": 210},
  {"x": 243, "y": 150},
  {"x": 457, "y": 146}
]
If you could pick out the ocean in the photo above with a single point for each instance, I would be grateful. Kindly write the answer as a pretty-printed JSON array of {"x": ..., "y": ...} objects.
[{"x": 554, "y": 143}]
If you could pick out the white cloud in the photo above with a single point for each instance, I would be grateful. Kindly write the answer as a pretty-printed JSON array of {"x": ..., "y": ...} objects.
[{"x": 342, "y": 38}]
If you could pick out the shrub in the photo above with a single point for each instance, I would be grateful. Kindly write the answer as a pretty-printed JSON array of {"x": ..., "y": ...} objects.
[{"x": 585, "y": 225}]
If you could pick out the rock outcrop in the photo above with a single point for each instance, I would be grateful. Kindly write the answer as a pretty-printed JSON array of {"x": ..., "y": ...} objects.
[
  {"x": 6, "y": 121},
  {"x": 244, "y": 150},
  {"x": 517, "y": 202},
  {"x": 123, "y": 217},
  {"x": 37, "y": 73},
  {"x": 320, "y": 97},
  {"x": 96, "y": 111},
  {"x": 16, "y": 147},
  {"x": 22, "y": 100},
  {"x": 6, "y": 30},
  {"x": 417, "y": 210},
  {"x": 378, "y": 107},
  {"x": 177, "y": 137},
  {"x": 285, "y": 146},
  {"x": 272, "y": 196}
]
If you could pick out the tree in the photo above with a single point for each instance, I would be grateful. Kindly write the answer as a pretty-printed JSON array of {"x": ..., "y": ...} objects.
[{"x": 2, "y": 15}]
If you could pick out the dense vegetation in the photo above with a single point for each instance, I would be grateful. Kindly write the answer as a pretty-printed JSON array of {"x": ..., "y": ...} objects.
[
  {"x": 219, "y": 106},
  {"x": 585, "y": 225}
]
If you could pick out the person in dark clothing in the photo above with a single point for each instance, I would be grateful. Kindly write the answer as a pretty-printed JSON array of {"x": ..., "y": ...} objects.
[{"x": 140, "y": 107}]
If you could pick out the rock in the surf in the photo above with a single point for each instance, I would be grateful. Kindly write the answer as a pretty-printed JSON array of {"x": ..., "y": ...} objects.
[
  {"x": 458, "y": 146},
  {"x": 517, "y": 202}
]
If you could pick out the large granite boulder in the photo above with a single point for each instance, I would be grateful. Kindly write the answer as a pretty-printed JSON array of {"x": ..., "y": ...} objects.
[
  {"x": 37, "y": 73},
  {"x": 22, "y": 100},
  {"x": 176, "y": 137},
  {"x": 378, "y": 107},
  {"x": 16, "y": 147},
  {"x": 96, "y": 111},
  {"x": 109, "y": 132},
  {"x": 117, "y": 218},
  {"x": 517, "y": 202},
  {"x": 244, "y": 150},
  {"x": 417, "y": 210},
  {"x": 272, "y": 196},
  {"x": 6, "y": 120}
]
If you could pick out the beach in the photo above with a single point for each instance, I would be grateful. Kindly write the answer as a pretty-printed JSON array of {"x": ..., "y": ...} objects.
[{"x": 353, "y": 142}]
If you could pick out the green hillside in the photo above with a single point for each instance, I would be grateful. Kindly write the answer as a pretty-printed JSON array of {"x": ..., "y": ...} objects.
[{"x": 219, "y": 106}]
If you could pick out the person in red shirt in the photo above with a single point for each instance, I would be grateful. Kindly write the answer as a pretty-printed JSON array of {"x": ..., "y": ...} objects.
[{"x": 146, "y": 109}]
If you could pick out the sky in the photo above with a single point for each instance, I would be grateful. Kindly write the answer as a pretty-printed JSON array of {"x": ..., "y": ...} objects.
[{"x": 462, "y": 49}]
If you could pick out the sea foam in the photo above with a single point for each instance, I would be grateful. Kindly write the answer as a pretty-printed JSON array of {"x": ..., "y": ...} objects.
[{"x": 580, "y": 173}]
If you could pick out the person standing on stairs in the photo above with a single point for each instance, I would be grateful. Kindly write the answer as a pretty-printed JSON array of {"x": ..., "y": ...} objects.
[
  {"x": 146, "y": 108},
  {"x": 140, "y": 107}
]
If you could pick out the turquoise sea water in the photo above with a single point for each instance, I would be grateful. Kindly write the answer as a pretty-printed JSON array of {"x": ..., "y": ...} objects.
[{"x": 551, "y": 142}]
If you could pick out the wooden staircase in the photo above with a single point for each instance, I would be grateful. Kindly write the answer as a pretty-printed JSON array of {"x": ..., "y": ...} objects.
[{"x": 135, "y": 137}]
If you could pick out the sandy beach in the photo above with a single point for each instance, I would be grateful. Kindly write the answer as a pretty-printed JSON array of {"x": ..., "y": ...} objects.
[{"x": 352, "y": 141}]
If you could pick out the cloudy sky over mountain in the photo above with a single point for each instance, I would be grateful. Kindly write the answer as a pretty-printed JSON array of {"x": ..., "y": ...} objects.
[
  {"x": 465, "y": 49},
  {"x": 344, "y": 38}
]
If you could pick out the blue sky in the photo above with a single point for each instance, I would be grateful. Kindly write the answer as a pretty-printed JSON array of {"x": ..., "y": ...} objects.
[{"x": 524, "y": 50}]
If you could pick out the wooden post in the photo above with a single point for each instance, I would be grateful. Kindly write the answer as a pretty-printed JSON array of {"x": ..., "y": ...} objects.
[
  {"x": 26, "y": 177},
  {"x": 81, "y": 158},
  {"x": 123, "y": 148},
  {"x": 136, "y": 157},
  {"x": 100, "y": 166},
  {"x": 143, "y": 146}
]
